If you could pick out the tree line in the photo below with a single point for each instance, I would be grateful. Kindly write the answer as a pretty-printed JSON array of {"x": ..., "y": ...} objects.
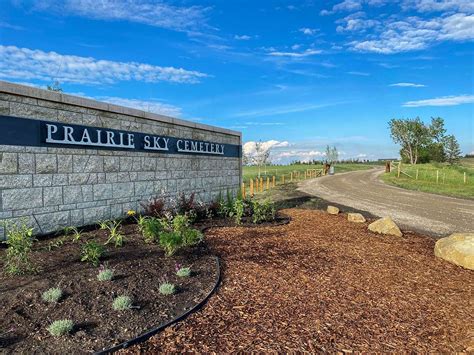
[{"x": 424, "y": 143}]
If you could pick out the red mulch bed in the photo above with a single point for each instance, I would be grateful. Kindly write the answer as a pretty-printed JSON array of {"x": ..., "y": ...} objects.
[
  {"x": 139, "y": 267},
  {"x": 322, "y": 283}
]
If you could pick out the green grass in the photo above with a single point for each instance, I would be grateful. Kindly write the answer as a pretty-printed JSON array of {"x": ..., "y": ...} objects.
[
  {"x": 450, "y": 179},
  {"x": 251, "y": 172}
]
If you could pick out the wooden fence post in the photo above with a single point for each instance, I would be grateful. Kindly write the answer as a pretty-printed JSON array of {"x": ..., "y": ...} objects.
[
  {"x": 399, "y": 168},
  {"x": 274, "y": 181},
  {"x": 291, "y": 176},
  {"x": 465, "y": 177},
  {"x": 268, "y": 183},
  {"x": 261, "y": 184},
  {"x": 243, "y": 190},
  {"x": 251, "y": 187},
  {"x": 283, "y": 179},
  {"x": 437, "y": 176}
]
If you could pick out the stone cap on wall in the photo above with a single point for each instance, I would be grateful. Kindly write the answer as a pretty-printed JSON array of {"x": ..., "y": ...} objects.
[{"x": 29, "y": 91}]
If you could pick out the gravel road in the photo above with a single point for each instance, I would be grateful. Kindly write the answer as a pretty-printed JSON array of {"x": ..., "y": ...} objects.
[{"x": 413, "y": 210}]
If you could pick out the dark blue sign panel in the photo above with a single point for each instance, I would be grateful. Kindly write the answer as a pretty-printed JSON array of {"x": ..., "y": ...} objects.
[{"x": 35, "y": 133}]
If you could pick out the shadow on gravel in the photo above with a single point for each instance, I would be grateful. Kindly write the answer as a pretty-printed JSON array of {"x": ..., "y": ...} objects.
[{"x": 287, "y": 196}]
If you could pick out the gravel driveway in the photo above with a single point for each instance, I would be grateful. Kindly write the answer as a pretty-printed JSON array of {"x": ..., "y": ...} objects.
[{"x": 413, "y": 210}]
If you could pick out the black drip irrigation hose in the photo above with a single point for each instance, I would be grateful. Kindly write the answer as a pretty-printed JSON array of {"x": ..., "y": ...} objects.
[{"x": 145, "y": 336}]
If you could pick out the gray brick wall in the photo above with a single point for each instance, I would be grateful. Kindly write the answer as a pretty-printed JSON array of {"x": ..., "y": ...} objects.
[{"x": 56, "y": 187}]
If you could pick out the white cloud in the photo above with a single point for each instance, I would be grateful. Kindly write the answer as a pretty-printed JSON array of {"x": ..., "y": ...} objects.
[
  {"x": 249, "y": 148},
  {"x": 413, "y": 33},
  {"x": 408, "y": 85},
  {"x": 28, "y": 64},
  {"x": 348, "y": 5},
  {"x": 242, "y": 37},
  {"x": 442, "y": 101},
  {"x": 149, "y": 12},
  {"x": 281, "y": 110},
  {"x": 301, "y": 155},
  {"x": 439, "y": 5},
  {"x": 305, "y": 53},
  {"x": 152, "y": 105},
  {"x": 356, "y": 22},
  {"x": 308, "y": 31},
  {"x": 359, "y": 73}
]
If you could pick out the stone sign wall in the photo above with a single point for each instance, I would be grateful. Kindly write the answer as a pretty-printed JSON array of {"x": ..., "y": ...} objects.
[{"x": 70, "y": 161}]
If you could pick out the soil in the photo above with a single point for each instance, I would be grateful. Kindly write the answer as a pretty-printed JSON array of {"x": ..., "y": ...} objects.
[
  {"x": 139, "y": 269},
  {"x": 322, "y": 283}
]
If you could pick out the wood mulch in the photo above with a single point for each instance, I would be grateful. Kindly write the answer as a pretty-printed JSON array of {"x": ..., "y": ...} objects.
[
  {"x": 322, "y": 283},
  {"x": 139, "y": 269}
]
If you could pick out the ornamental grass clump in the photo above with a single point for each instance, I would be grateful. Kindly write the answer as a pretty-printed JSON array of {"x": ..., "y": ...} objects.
[
  {"x": 122, "y": 303},
  {"x": 92, "y": 252},
  {"x": 53, "y": 295},
  {"x": 105, "y": 273},
  {"x": 60, "y": 327},
  {"x": 184, "y": 272},
  {"x": 167, "y": 288}
]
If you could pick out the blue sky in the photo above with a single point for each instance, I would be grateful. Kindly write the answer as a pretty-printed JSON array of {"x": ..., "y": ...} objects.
[{"x": 298, "y": 74}]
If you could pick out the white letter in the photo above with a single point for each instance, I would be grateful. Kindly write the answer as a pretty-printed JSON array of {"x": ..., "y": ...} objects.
[
  {"x": 51, "y": 129},
  {"x": 166, "y": 142},
  {"x": 85, "y": 135},
  {"x": 68, "y": 134},
  {"x": 177, "y": 144},
  {"x": 131, "y": 136},
  {"x": 110, "y": 138},
  {"x": 146, "y": 139}
]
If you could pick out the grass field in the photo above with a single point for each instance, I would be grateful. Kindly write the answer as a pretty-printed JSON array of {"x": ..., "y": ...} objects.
[
  {"x": 436, "y": 178},
  {"x": 251, "y": 172}
]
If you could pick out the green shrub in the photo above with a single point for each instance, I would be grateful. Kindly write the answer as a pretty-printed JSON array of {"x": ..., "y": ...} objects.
[
  {"x": 105, "y": 274},
  {"x": 52, "y": 295},
  {"x": 114, "y": 235},
  {"x": 184, "y": 272},
  {"x": 60, "y": 327},
  {"x": 167, "y": 288},
  {"x": 74, "y": 233},
  {"x": 263, "y": 211},
  {"x": 239, "y": 209},
  {"x": 20, "y": 242},
  {"x": 122, "y": 303},
  {"x": 151, "y": 228},
  {"x": 92, "y": 252},
  {"x": 171, "y": 242}
]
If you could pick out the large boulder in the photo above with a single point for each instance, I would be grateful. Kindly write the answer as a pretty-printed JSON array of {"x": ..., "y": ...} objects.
[
  {"x": 333, "y": 210},
  {"x": 458, "y": 249},
  {"x": 385, "y": 226},
  {"x": 355, "y": 217}
]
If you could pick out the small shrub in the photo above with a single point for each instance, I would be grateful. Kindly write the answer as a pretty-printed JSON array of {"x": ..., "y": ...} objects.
[
  {"x": 184, "y": 272},
  {"x": 60, "y": 327},
  {"x": 114, "y": 235},
  {"x": 170, "y": 242},
  {"x": 105, "y": 274},
  {"x": 167, "y": 288},
  {"x": 20, "y": 242},
  {"x": 263, "y": 211},
  {"x": 74, "y": 233},
  {"x": 185, "y": 205},
  {"x": 239, "y": 210},
  {"x": 155, "y": 207},
  {"x": 92, "y": 252},
  {"x": 122, "y": 303},
  {"x": 52, "y": 295},
  {"x": 151, "y": 228}
]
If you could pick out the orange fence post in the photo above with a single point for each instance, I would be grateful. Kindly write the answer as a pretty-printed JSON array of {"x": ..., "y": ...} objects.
[
  {"x": 251, "y": 187},
  {"x": 261, "y": 184},
  {"x": 268, "y": 183},
  {"x": 291, "y": 176},
  {"x": 243, "y": 190},
  {"x": 274, "y": 180},
  {"x": 283, "y": 179}
]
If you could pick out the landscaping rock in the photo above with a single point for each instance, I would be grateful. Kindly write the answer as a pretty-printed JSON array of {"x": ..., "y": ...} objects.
[
  {"x": 458, "y": 249},
  {"x": 385, "y": 226},
  {"x": 333, "y": 210},
  {"x": 355, "y": 217}
]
